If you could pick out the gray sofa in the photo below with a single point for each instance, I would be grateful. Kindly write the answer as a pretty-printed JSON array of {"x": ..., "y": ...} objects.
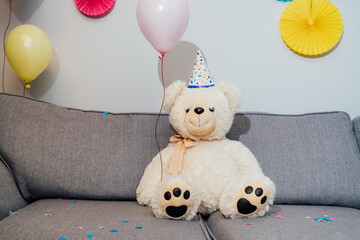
[{"x": 67, "y": 173}]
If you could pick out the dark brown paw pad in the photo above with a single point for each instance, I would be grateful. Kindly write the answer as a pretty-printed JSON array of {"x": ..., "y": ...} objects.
[
  {"x": 176, "y": 201},
  {"x": 252, "y": 201}
]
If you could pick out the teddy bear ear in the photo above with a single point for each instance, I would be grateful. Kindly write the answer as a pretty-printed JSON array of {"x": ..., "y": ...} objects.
[
  {"x": 172, "y": 92},
  {"x": 232, "y": 93}
]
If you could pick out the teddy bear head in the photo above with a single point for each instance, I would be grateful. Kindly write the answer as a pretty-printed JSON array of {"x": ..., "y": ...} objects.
[{"x": 202, "y": 113}]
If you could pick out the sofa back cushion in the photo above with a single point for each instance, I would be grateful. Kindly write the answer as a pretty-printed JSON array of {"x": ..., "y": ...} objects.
[
  {"x": 312, "y": 158},
  {"x": 60, "y": 152},
  {"x": 356, "y": 126}
]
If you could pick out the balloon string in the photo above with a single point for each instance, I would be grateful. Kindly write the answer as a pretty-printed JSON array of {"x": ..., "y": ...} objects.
[
  {"x": 162, "y": 104},
  {"x": 24, "y": 89},
  {"x": 7, "y": 27}
]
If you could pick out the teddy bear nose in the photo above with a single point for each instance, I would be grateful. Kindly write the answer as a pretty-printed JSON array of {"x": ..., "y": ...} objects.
[{"x": 199, "y": 110}]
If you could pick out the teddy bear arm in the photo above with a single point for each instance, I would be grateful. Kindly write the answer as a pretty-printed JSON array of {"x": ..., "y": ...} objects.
[{"x": 152, "y": 177}]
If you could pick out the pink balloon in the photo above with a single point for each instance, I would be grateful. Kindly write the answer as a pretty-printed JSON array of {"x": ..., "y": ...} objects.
[{"x": 163, "y": 22}]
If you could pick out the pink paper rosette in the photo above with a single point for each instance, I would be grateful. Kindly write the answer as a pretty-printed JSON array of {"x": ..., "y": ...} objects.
[{"x": 94, "y": 8}]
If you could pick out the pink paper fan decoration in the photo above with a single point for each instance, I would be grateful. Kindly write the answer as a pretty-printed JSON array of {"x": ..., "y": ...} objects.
[{"x": 94, "y": 8}]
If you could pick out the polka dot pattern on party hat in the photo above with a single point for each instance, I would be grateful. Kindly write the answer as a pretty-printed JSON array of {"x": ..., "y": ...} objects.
[{"x": 200, "y": 75}]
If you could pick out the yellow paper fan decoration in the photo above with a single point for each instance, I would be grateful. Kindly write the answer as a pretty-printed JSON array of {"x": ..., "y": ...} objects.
[{"x": 311, "y": 27}]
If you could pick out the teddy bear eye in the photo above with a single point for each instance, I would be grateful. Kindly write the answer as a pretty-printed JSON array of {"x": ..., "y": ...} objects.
[
  {"x": 187, "y": 110},
  {"x": 212, "y": 109}
]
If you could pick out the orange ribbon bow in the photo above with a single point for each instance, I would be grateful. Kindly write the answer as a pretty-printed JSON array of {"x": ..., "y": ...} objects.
[{"x": 178, "y": 153}]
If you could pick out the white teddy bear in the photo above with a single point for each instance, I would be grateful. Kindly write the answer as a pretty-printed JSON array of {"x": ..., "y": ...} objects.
[{"x": 203, "y": 171}]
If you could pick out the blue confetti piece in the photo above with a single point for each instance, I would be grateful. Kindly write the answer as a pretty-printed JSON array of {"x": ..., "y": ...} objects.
[
  {"x": 12, "y": 213},
  {"x": 328, "y": 219},
  {"x": 105, "y": 113},
  {"x": 72, "y": 202},
  {"x": 90, "y": 235},
  {"x": 113, "y": 230},
  {"x": 138, "y": 227},
  {"x": 125, "y": 221},
  {"x": 62, "y": 238}
]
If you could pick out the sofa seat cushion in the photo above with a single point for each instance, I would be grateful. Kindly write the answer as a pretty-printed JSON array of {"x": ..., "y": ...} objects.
[
  {"x": 295, "y": 224},
  {"x": 33, "y": 222}
]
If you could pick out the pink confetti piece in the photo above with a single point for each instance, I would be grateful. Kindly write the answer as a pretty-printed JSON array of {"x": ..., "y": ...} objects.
[
  {"x": 249, "y": 224},
  {"x": 279, "y": 217},
  {"x": 63, "y": 200},
  {"x": 80, "y": 228}
]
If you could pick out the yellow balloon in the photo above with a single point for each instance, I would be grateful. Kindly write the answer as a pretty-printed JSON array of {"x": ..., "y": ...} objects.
[{"x": 28, "y": 50}]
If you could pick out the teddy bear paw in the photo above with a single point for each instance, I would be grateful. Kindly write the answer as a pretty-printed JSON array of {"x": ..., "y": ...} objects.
[
  {"x": 177, "y": 201},
  {"x": 251, "y": 199}
]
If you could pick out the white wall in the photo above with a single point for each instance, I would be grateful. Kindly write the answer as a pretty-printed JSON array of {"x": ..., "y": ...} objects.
[{"x": 106, "y": 64}]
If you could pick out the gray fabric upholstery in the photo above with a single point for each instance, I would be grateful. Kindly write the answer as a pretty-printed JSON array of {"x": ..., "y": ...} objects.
[
  {"x": 312, "y": 158},
  {"x": 293, "y": 225},
  {"x": 10, "y": 197},
  {"x": 59, "y": 152},
  {"x": 31, "y": 222},
  {"x": 356, "y": 126}
]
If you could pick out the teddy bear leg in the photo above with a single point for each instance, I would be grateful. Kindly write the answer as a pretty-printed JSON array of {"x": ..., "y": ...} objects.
[
  {"x": 176, "y": 197},
  {"x": 247, "y": 197}
]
